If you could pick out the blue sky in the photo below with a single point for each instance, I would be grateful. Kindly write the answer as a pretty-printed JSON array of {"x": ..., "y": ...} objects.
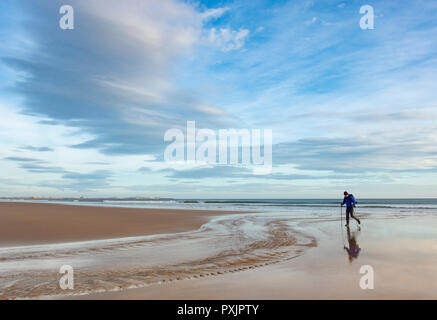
[{"x": 84, "y": 111}]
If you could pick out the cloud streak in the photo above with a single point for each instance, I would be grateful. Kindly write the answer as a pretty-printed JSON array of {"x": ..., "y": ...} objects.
[{"x": 82, "y": 109}]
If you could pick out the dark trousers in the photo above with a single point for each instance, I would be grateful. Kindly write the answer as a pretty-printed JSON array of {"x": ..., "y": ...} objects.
[{"x": 350, "y": 211}]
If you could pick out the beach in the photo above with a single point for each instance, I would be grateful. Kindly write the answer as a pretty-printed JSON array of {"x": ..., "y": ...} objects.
[
  {"x": 39, "y": 223},
  {"x": 280, "y": 251},
  {"x": 404, "y": 260}
]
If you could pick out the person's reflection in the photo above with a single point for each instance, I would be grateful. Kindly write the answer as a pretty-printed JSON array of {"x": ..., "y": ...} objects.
[{"x": 354, "y": 250}]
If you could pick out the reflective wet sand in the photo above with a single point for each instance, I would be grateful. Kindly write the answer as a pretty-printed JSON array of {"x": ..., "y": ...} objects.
[
  {"x": 276, "y": 254},
  {"x": 401, "y": 250},
  {"x": 229, "y": 243}
]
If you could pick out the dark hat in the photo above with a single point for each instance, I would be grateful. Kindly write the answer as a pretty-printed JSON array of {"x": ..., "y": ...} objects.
[{"x": 345, "y": 193}]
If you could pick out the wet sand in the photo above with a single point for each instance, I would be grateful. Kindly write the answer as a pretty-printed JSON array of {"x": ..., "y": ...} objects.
[
  {"x": 197, "y": 254},
  {"x": 401, "y": 252},
  {"x": 223, "y": 243},
  {"x": 41, "y": 223}
]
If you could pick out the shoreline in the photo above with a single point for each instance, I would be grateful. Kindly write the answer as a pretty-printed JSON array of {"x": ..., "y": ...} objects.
[
  {"x": 267, "y": 255},
  {"x": 25, "y": 224},
  {"x": 323, "y": 272}
]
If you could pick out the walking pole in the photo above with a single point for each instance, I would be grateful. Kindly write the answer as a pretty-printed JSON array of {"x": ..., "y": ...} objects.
[
  {"x": 341, "y": 222},
  {"x": 341, "y": 216}
]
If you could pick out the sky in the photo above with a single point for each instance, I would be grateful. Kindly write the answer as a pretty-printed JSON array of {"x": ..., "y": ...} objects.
[{"x": 83, "y": 112}]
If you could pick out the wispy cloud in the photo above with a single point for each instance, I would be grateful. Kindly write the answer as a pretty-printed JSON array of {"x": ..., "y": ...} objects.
[
  {"x": 40, "y": 149},
  {"x": 227, "y": 39},
  {"x": 213, "y": 13},
  {"x": 347, "y": 106}
]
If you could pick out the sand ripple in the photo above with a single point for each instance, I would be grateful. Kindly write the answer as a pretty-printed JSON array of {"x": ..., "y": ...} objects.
[{"x": 226, "y": 244}]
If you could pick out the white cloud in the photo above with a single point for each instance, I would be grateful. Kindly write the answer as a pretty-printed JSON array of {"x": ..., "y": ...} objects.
[
  {"x": 313, "y": 20},
  {"x": 210, "y": 110},
  {"x": 214, "y": 13},
  {"x": 228, "y": 39}
]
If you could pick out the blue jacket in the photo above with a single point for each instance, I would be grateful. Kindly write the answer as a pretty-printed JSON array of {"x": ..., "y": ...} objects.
[{"x": 349, "y": 201}]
